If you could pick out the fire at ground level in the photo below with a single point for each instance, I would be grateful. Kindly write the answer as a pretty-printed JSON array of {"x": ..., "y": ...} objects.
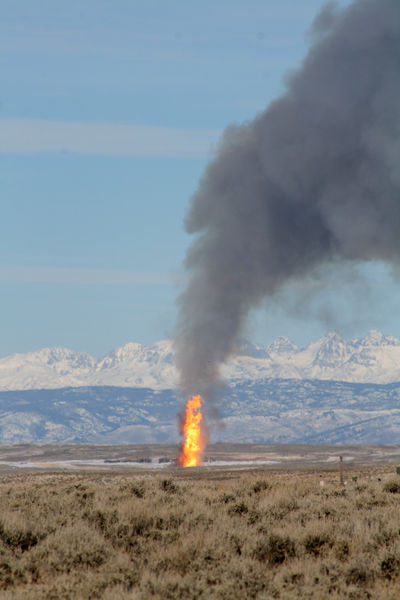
[
  {"x": 134, "y": 457},
  {"x": 194, "y": 437}
]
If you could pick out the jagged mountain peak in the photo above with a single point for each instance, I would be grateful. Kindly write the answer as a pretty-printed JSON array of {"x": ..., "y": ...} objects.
[
  {"x": 53, "y": 353},
  {"x": 282, "y": 345},
  {"x": 373, "y": 337},
  {"x": 132, "y": 355},
  {"x": 58, "y": 353},
  {"x": 50, "y": 356},
  {"x": 376, "y": 338},
  {"x": 332, "y": 337},
  {"x": 125, "y": 352},
  {"x": 333, "y": 350}
]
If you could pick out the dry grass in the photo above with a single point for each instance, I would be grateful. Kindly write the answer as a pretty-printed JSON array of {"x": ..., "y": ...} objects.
[{"x": 196, "y": 534}]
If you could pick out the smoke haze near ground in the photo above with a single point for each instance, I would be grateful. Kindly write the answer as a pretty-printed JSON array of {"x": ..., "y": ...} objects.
[{"x": 311, "y": 181}]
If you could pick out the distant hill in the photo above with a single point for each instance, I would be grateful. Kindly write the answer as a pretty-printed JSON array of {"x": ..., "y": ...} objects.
[{"x": 271, "y": 411}]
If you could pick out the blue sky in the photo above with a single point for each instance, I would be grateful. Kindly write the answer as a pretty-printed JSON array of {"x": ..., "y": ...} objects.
[{"x": 109, "y": 112}]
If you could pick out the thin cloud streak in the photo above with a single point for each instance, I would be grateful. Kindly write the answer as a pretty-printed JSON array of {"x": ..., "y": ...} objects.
[
  {"x": 82, "y": 276},
  {"x": 34, "y": 136}
]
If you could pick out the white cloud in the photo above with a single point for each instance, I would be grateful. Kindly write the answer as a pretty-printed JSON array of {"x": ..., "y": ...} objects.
[
  {"x": 82, "y": 276},
  {"x": 32, "y": 136}
]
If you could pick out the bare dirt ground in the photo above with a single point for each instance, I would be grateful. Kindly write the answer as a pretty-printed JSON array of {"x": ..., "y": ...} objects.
[{"x": 217, "y": 456}]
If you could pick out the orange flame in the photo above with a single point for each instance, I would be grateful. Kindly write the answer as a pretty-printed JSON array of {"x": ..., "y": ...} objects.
[{"x": 194, "y": 438}]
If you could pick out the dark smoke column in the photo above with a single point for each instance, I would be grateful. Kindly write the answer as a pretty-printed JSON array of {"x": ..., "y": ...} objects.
[{"x": 314, "y": 179}]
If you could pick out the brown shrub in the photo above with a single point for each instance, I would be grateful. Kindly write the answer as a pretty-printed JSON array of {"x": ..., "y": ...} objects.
[
  {"x": 390, "y": 566},
  {"x": 167, "y": 485},
  {"x": 240, "y": 508},
  {"x": 260, "y": 485},
  {"x": 342, "y": 549},
  {"x": 275, "y": 549},
  {"x": 392, "y": 486},
  {"x": 314, "y": 543},
  {"x": 197, "y": 534},
  {"x": 70, "y": 548},
  {"x": 359, "y": 575}
]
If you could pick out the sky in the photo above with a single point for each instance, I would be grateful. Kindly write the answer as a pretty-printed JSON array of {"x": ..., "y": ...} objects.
[{"x": 109, "y": 113}]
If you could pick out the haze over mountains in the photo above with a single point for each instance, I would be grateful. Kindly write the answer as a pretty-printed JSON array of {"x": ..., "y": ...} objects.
[{"x": 372, "y": 359}]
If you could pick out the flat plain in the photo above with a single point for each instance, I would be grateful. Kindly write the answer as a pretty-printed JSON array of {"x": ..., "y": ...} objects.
[
  {"x": 280, "y": 525},
  {"x": 80, "y": 456}
]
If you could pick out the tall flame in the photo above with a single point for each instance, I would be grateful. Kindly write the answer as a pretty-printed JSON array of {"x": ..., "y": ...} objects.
[{"x": 194, "y": 438}]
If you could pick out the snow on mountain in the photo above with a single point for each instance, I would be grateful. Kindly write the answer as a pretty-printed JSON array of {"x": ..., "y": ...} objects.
[
  {"x": 282, "y": 346},
  {"x": 372, "y": 359},
  {"x": 43, "y": 368},
  {"x": 136, "y": 365},
  {"x": 269, "y": 411},
  {"x": 333, "y": 350}
]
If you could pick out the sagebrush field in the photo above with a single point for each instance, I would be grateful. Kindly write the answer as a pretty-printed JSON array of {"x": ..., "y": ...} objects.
[{"x": 197, "y": 533}]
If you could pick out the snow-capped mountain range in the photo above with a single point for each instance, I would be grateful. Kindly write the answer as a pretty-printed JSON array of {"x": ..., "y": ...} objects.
[{"x": 372, "y": 359}]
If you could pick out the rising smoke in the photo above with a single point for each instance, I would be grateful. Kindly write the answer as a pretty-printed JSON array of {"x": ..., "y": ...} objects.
[{"x": 314, "y": 179}]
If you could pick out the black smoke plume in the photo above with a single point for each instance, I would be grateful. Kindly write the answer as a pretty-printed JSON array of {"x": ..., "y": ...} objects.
[{"x": 314, "y": 179}]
